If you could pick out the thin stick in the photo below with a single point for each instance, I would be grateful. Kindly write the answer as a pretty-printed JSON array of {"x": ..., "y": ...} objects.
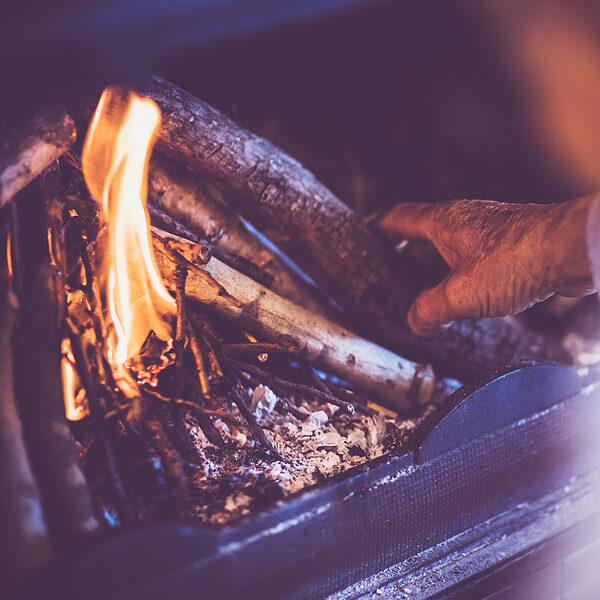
[
  {"x": 203, "y": 326},
  {"x": 180, "y": 278},
  {"x": 83, "y": 369},
  {"x": 256, "y": 348},
  {"x": 215, "y": 367},
  {"x": 171, "y": 460},
  {"x": 207, "y": 426},
  {"x": 275, "y": 319},
  {"x": 256, "y": 429},
  {"x": 289, "y": 386},
  {"x": 29, "y": 147},
  {"x": 199, "y": 360},
  {"x": 67, "y": 503}
]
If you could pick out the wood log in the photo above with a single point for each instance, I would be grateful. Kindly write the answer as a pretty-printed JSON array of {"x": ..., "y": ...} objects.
[
  {"x": 27, "y": 148},
  {"x": 50, "y": 446},
  {"x": 398, "y": 381},
  {"x": 299, "y": 214},
  {"x": 181, "y": 194},
  {"x": 24, "y": 543}
]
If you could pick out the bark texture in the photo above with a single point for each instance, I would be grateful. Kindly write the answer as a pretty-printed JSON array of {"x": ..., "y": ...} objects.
[
  {"x": 398, "y": 381},
  {"x": 285, "y": 201},
  {"x": 27, "y": 148},
  {"x": 180, "y": 194}
]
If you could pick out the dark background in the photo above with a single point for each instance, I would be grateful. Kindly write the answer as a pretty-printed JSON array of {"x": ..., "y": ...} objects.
[
  {"x": 408, "y": 102},
  {"x": 384, "y": 101}
]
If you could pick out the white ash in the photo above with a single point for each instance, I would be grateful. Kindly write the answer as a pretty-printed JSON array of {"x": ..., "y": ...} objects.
[
  {"x": 263, "y": 401},
  {"x": 241, "y": 480}
]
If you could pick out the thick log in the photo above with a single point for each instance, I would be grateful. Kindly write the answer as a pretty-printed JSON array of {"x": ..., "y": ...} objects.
[
  {"x": 50, "y": 446},
  {"x": 398, "y": 381},
  {"x": 23, "y": 538},
  {"x": 284, "y": 200},
  {"x": 27, "y": 148},
  {"x": 181, "y": 194}
]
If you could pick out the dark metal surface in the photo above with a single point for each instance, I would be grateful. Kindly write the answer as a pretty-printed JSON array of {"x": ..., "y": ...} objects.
[{"x": 499, "y": 398}]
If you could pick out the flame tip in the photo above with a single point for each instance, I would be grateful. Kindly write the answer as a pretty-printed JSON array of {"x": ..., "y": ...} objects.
[{"x": 115, "y": 163}]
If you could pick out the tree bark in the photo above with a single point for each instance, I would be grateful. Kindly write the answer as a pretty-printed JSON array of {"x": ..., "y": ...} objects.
[
  {"x": 27, "y": 148},
  {"x": 287, "y": 203},
  {"x": 67, "y": 504},
  {"x": 180, "y": 194},
  {"x": 398, "y": 381}
]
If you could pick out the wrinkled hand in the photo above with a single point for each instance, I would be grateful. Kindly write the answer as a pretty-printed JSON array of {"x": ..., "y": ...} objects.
[{"x": 503, "y": 257}]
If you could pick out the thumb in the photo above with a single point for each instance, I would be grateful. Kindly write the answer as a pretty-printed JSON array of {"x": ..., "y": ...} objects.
[
  {"x": 432, "y": 311},
  {"x": 410, "y": 220}
]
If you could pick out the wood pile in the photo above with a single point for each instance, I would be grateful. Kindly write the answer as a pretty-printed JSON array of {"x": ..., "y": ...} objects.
[{"x": 323, "y": 334}]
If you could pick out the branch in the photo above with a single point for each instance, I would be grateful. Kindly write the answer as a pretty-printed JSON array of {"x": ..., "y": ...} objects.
[
  {"x": 182, "y": 196},
  {"x": 27, "y": 148},
  {"x": 400, "y": 382}
]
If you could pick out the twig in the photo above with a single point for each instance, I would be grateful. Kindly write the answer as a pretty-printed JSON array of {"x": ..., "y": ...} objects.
[
  {"x": 172, "y": 416},
  {"x": 215, "y": 367},
  {"x": 203, "y": 326},
  {"x": 67, "y": 503},
  {"x": 172, "y": 461},
  {"x": 327, "y": 345},
  {"x": 24, "y": 542},
  {"x": 180, "y": 278},
  {"x": 256, "y": 429},
  {"x": 198, "y": 359},
  {"x": 256, "y": 348},
  {"x": 207, "y": 426},
  {"x": 289, "y": 386},
  {"x": 83, "y": 369}
]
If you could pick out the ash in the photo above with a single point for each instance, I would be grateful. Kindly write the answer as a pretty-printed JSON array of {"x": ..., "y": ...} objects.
[{"x": 242, "y": 479}]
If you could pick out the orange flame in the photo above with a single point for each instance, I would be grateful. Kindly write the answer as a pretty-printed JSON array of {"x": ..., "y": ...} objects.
[
  {"x": 76, "y": 405},
  {"x": 115, "y": 165}
]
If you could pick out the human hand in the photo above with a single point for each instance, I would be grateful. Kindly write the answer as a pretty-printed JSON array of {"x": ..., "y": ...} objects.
[{"x": 503, "y": 257}]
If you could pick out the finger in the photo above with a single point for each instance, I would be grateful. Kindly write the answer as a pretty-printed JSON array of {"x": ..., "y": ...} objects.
[
  {"x": 409, "y": 220},
  {"x": 432, "y": 311}
]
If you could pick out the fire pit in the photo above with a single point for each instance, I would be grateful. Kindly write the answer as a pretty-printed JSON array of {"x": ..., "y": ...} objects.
[{"x": 209, "y": 386}]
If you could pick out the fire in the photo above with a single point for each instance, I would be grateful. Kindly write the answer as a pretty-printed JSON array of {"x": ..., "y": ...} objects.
[
  {"x": 76, "y": 405},
  {"x": 115, "y": 165}
]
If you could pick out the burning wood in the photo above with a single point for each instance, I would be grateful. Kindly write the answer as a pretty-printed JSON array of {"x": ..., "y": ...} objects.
[{"x": 178, "y": 362}]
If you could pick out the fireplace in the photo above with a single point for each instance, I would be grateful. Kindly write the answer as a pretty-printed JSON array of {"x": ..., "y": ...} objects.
[{"x": 209, "y": 385}]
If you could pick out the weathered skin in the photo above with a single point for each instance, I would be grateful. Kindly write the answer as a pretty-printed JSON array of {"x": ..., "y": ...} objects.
[{"x": 503, "y": 257}]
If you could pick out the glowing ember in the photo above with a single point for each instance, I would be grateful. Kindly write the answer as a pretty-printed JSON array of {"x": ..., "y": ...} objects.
[
  {"x": 76, "y": 406},
  {"x": 9, "y": 256},
  {"x": 115, "y": 163}
]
